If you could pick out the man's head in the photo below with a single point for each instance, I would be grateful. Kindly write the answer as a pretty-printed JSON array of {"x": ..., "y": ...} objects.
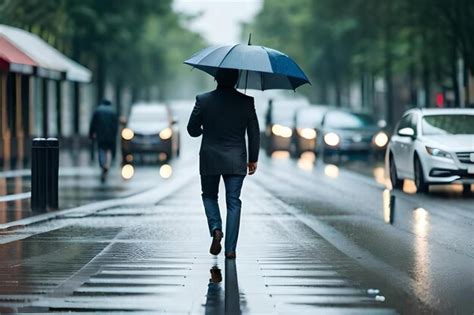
[
  {"x": 227, "y": 77},
  {"x": 106, "y": 102}
]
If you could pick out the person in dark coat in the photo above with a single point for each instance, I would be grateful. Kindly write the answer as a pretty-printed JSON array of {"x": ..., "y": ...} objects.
[
  {"x": 222, "y": 117},
  {"x": 103, "y": 129}
]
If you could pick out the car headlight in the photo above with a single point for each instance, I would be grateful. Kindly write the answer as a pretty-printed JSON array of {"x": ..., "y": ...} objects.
[
  {"x": 282, "y": 131},
  {"x": 166, "y": 133},
  {"x": 127, "y": 134},
  {"x": 438, "y": 153},
  {"x": 332, "y": 139},
  {"x": 307, "y": 133},
  {"x": 381, "y": 139}
]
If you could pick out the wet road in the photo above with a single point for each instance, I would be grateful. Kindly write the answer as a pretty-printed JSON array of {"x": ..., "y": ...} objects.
[{"x": 314, "y": 238}]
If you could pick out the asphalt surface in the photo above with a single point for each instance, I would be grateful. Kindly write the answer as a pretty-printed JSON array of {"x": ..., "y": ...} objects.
[{"x": 315, "y": 238}]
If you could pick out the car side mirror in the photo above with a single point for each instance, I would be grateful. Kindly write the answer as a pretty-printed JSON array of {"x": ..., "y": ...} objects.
[
  {"x": 382, "y": 124},
  {"x": 406, "y": 132},
  {"x": 123, "y": 120}
]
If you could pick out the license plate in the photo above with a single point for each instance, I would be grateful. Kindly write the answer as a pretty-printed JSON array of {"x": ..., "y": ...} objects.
[{"x": 470, "y": 170}]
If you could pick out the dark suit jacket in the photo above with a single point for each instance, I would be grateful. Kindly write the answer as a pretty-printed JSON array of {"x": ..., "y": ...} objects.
[
  {"x": 104, "y": 125},
  {"x": 222, "y": 117}
]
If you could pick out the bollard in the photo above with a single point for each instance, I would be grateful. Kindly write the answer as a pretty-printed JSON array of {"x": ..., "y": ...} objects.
[
  {"x": 44, "y": 174},
  {"x": 52, "y": 168},
  {"x": 38, "y": 174}
]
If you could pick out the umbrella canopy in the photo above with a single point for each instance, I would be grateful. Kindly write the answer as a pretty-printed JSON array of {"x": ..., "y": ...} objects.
[{"x": 261, "y": 68}]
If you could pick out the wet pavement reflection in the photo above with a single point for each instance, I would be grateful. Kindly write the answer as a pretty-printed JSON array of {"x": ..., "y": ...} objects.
[
  {"x": 315, "y": 238},
  {"x": 422, "y": 272},
  {"x": 214, "y": 297}
]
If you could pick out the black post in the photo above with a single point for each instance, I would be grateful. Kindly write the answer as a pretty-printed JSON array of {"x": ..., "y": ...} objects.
[
  {"x": 38, "y": 174},
  {"x": 75, "y": 104},
  {"x": 44, "y": 174},
  {"x": 45, "y": 100},
  {"x": 59, "y": 96},
  {"x": 52, "y": 166}
]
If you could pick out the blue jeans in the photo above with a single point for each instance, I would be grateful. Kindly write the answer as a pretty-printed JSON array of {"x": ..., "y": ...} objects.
[
  {"x": 104, "y": 158},
  {"x": 210, "y": 191}
]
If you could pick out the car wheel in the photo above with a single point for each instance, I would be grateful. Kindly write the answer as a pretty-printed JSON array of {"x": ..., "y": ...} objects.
[
  {"x": 296, "y": 153},
  {"x": 179, "y": 147},
  {"x": 269, "y": 150},
  {"x": 466, "y": 188},
  {"x": 169, "y": 152},
  {"x": 420, "y": 183},
  {"x": 396, "y": 182}
]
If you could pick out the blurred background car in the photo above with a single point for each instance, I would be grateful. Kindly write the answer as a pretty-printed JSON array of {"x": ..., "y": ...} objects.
[
  {"x": 433, "y": 146},
  {"x": 150, "y": 130},
  {"x": 307, "y": 120},
  {"x": 280, "y": 123},
  {"x": 343, "y": 132}
]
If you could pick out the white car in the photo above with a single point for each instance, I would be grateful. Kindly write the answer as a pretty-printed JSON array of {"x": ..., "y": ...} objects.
[{"x": 433, "y": 146}]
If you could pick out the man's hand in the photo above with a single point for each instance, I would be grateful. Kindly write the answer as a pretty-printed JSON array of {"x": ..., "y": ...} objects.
[{"x": 252, "y": 166}]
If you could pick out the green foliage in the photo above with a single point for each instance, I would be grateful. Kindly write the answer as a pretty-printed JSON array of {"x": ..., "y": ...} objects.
[
  {"x": 339, "y": 41},
  {"x": 135, "y": 43}
]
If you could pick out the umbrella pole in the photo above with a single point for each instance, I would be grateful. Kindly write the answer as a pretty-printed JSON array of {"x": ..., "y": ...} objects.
[{"x": 246, "y": 78}]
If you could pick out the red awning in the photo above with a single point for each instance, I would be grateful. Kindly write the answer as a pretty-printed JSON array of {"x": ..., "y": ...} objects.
[{"x": 14, "y": 60}]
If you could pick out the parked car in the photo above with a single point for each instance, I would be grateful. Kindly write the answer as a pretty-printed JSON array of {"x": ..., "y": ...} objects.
[
  {"x": 152, "y": 130},
  {"x": 280, "y": 124},
  {"x": 433, "y": 146},
  {"x": 307, "y": 120},
  {"x": 347, "y": 132}
]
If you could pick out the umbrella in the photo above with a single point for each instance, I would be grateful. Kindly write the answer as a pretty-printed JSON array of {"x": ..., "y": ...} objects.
[{"x": 261, "y": 68}]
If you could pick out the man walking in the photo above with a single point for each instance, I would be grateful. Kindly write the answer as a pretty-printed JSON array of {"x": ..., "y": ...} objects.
[
  {"x": 222, "y": 117},
  {"x": 103, "y": 129}
]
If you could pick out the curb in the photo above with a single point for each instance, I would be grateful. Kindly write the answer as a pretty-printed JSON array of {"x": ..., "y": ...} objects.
[{"x": 149, "y": 196}]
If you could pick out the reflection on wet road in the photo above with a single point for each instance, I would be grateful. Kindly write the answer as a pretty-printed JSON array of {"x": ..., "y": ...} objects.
[
  {"x": 313, "y": 236},
  {"x": 426, "y": 239},
  {"x": 422, "y": 256}
]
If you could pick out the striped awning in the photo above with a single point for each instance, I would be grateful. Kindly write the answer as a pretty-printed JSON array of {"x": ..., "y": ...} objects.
[{"x": 22, "y": 49}]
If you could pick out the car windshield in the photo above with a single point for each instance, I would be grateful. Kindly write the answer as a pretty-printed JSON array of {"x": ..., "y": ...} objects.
[
  {"x": 309, "y": 118},
  {"x": 348, "y": 120},
  {"x": 283, "y": 116},
  {"x": 283, "y": 112},
  {"x": 448, "y": 124},
  {"x": 145, "y": 115}
]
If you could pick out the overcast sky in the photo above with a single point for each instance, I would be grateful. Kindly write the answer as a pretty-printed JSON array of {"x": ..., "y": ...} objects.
[{"x": 220, "y": 19}]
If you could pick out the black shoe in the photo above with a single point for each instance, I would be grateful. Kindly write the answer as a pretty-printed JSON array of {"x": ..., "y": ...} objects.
[
  {"x": 103, "y": 176},
  {"x": 216, "y": 242},
  {"x": 216, "y": 275}
]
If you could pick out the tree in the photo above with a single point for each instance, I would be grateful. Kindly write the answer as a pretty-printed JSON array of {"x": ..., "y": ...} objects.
[
  {"x": 413, "y": 45},
  {"x": 128, "y": 44}
]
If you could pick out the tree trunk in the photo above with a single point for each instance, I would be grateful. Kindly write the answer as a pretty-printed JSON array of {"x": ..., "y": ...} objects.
[
  {"x": 323, "y": 92},
  {"x": 426, "y": 73},
  {"x": 454, "y": 76},
  {"x": 388, "y": 73},
  {"x": 134, "y": 95},
  {"x": 101, "y": 78},
  {"x": 118, "y": 96}
]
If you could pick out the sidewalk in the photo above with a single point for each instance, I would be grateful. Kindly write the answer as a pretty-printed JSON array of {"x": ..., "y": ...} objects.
[
  {"x": 79, "y": 184},
  {"x": 154, "y": 258}
]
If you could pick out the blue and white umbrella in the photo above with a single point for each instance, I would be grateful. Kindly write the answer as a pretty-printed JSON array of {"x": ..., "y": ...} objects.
[{"x": 261, "y": 68}]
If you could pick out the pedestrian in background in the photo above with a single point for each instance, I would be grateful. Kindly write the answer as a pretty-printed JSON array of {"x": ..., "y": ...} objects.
[
  {"x": 103, "y": 130},
  {"x": 222, "y": 117}
]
